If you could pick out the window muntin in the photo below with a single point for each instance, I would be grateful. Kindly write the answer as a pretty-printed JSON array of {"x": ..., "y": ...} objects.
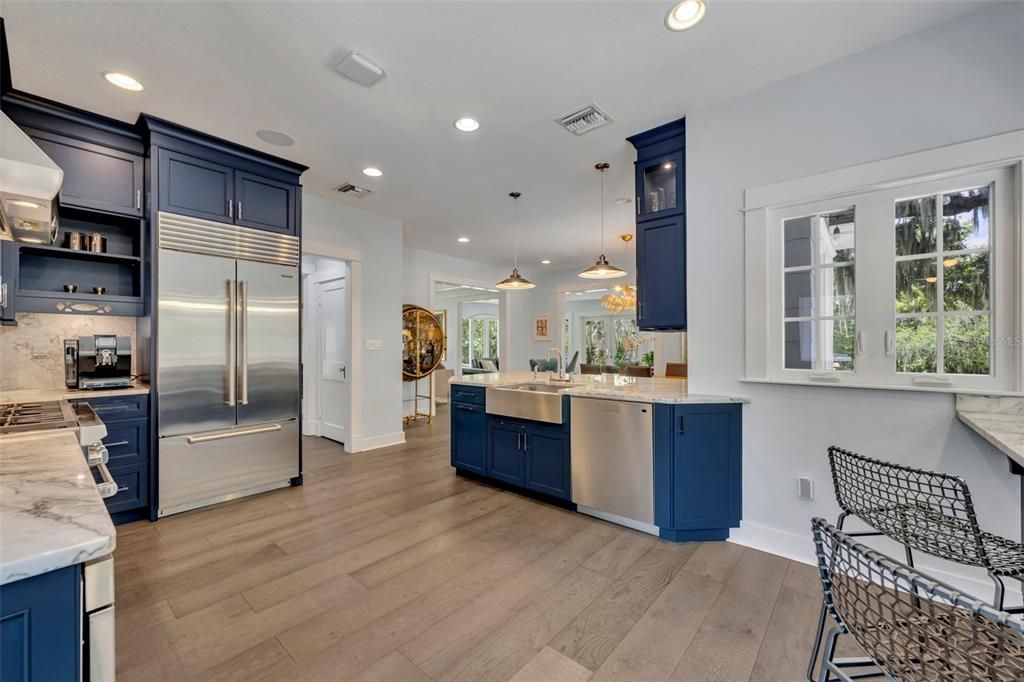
[
  {"x": 943, "y": 283},
  {"x": 819, "y": 291}
]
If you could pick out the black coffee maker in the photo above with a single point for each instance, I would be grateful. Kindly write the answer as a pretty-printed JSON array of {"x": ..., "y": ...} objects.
[{"x": 100, "y": 361}]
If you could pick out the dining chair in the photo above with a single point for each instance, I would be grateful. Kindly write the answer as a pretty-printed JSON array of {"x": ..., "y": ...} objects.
[
  {"x": 590, "y": 369},
  {"x": 675, "y": 369},
  {"x": 637, "y": 371},
  {"x": 912, "y": 627},
  {"x": 923, "y": 510}
]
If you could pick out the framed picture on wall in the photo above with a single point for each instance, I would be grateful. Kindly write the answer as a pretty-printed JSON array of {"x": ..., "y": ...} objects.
[{"x": 542, "y": 328}]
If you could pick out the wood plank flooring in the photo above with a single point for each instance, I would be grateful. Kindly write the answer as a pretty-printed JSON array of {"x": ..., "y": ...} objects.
[{"x": 386, "y": 566}]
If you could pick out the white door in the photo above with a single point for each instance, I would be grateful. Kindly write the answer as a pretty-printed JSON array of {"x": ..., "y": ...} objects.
[{"x": 334, "y": 392}]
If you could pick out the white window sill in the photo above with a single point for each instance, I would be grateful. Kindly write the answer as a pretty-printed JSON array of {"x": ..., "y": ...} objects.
[{"x": 883, "y": 387}]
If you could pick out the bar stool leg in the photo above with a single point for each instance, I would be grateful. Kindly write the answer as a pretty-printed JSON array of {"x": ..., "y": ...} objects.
[{"x": 820, "y": 631}]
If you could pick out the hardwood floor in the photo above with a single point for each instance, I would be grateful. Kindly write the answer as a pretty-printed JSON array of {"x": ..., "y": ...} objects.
[{"x": 385, "y": 566}]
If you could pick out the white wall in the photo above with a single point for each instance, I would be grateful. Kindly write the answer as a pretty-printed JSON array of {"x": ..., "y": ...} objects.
[
  {"x": 951, "y": 83},
  {"x": 374, "y": 242}
]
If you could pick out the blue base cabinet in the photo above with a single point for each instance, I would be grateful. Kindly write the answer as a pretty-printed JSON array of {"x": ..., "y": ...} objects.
[
  {"x": 531, "y": 456},
  {"x": 41, "y": 627},
  {"x": 469, "y": 433},
  {"x": 506, "y": 452},
  {"x": 548, "y": 461},
  {"x": 127, "y": 441},
  {"x": 697, "y": 470}
]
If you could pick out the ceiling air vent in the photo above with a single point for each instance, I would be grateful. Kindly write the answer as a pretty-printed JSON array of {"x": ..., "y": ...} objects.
[
  {"x": 584, "y": 120},
  {"x": 352, "y": 191}
]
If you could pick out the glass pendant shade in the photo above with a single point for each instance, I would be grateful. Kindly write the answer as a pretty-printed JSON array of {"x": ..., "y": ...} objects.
[
  {"x": 602, "y": 269},
  {"x": 515, "y": 281}
]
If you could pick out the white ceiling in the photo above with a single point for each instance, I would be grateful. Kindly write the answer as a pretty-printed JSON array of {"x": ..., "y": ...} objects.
[{"x": 231, "y": 68}]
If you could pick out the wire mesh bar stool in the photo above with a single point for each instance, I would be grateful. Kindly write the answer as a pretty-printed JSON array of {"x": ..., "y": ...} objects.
[
  {"x": 910, "y": 626},
  {"x": 924, "y": 510}
]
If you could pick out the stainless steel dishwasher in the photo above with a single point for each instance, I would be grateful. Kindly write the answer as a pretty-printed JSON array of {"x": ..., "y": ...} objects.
[{"x": 613, "y": 461}]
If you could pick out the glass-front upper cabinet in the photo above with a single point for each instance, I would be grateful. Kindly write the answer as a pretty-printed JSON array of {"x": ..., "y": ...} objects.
[{"x": 660, "y": 185}]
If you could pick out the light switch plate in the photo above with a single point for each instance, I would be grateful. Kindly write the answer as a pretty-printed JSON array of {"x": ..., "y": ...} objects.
[{"x": 374, "y": 344}]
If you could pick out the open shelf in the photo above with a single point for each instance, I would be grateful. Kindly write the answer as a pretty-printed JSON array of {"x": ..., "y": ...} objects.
[
  {"x": 79, "y": 296},
  {"x": 61, "y": 252}
]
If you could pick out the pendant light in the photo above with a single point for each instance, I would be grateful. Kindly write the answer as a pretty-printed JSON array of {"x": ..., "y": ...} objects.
[
  {"x": 602, "y": 269},
  {"x": 515, "y": 281}
]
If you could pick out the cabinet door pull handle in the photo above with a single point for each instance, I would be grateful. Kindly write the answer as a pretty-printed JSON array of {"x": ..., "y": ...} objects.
[
  {"x": 138, "y": 199},
  {"x": 682, "y": 424},
  {"x": 122, "y": 488},
  {"x": 239, "y": 210},
  {"x": 114, "y": 445},
  {"x": 465, "y": 408},
  {"x": 3, "y": 294},
  {"x": 231, "y": 209},
  {"x": 524, "y": 443}
]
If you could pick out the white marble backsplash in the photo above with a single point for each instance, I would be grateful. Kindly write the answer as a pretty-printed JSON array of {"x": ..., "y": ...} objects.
[{"x": 32, "y": 352}]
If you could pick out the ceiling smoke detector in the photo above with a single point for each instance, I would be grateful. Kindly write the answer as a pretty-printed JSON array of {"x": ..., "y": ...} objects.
[
  {"x": 359, "y": 68},
  {"x": 584, "y": 120},
  {"x": 352, "y": 190}
]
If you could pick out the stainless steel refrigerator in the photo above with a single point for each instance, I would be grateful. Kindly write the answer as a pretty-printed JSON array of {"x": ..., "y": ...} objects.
[{"x": 227, "y": 361}]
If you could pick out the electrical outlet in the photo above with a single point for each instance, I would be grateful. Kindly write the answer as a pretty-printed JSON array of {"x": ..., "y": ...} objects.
[
  {"x": 805, "y": 488},
  {"x": 374, "y": 344}
]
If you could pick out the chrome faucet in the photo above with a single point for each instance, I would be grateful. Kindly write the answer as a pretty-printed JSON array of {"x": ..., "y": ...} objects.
[{"x": 561, "y": 366}]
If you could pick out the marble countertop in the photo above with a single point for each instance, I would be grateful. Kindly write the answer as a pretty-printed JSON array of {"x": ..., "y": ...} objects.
[
  {"x": 609, "y": 387},
  {"x": 999, "y": 420},
  {"x": 24, "y": 395},
  {"x": 51, "y": 514}
]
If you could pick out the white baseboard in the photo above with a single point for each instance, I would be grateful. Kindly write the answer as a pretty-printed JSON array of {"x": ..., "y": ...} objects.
[
  {"x": 362, "y": 444},
  {"x": 801, "y": 548}
]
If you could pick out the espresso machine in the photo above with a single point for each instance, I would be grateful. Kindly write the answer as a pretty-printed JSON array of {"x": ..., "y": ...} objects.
[{"x": 100, "y": 361}]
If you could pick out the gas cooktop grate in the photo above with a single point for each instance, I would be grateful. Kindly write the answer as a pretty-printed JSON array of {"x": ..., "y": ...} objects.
[{"x": 36, "y": 416}]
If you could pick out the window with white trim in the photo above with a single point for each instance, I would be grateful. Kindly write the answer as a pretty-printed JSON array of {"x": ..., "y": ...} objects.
[{"x": 911, "y": 284}]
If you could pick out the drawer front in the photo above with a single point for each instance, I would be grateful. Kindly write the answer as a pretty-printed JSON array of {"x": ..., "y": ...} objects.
[
  {"x": 474, "y": 395},
  {"x": 132, "y": 487},
  {"x": 118, "y": 408},
  {"x": 127, "y": 442}
]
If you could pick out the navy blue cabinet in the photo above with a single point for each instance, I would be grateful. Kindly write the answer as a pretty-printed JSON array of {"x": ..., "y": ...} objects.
[
  {"x": 8, "y": 281},
  {"x": 263, "y": 203},
  {"x": 506, "y": 451},
  {"x": 95, "y": 176},
  {"x": 102, "y": 192},
  {"x": 127, "y": 441},
  {"x": 697, "y": 470},
  {"x": 547, "y": 461},
  {"x": 40, "y": 627},
  {"x": 661, "y": 273},
  {"x": 195, "y": 187},
  {"x": 204, "y": 177},
  {"x": 661, "y": 227},
  {"x": 469, "y": 437}
]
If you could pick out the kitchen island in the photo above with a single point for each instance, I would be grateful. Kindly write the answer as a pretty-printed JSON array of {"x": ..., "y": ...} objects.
[
  {"x": 52, "y": 521},
  {"x": 642, "y": 452}
]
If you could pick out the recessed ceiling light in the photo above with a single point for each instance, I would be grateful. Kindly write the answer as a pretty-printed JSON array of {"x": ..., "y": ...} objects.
[
  {"x": 685, "y": 14},
  {"x": 462, "y": 240},
  {"x": 467, "y": 125},
  {"x": 545, "y": 262},
  {"x": 275, "y": 137},
  {"x": 667, "y": 165},
  {"x": 373, "y": 172},
  {"x": 123, "y": 80}
]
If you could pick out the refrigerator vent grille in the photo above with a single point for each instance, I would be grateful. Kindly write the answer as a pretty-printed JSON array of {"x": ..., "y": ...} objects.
[{"x": 195, "y": 235}]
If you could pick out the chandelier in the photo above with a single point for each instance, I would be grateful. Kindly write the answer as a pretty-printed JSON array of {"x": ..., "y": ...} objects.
[
  {"x": 621, "y": 299},
  {"x": 623, "y": 296}
]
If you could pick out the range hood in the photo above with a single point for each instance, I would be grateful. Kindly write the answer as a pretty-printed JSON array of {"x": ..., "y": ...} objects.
[{"x": 29, "y": 182}]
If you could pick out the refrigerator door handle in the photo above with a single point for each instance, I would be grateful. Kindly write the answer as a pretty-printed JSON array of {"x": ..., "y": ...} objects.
[
  {"x": 237, "y": 433},
  {"x": 232, "y": 342},
  {"x": 243, "y": 318}
]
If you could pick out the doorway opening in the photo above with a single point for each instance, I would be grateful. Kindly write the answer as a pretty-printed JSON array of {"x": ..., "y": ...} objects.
[
  {"x": 471, "y": 315},
  {"x": 327, "y": 319}
]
